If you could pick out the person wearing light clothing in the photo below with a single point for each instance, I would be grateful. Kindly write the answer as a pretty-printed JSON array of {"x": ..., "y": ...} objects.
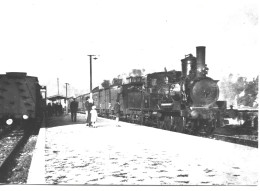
[
  {"x": 88, "y": 107},
  {"x": 94, "y": 116},
  {"x": 117, "y": 112}
]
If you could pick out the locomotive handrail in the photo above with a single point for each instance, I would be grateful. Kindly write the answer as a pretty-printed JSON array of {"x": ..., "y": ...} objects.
[
  {"x": 246, "y": 110},
  {"x": 203, "y": 107}
]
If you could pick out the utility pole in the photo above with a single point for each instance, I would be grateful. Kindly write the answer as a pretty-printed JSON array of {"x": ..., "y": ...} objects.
[
  {"x": 90, "y": 62},
  {"x": 66, "y": 91},
  {"x": 58, "y": 86},
  {"x": 66, "y": 98}
]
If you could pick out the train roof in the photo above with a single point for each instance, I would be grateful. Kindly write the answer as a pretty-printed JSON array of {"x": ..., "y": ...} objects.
[
  {"x": 56, "y": 97},
  {"x": 165, "y": 72},
  {"x": 17, "y": 75}
]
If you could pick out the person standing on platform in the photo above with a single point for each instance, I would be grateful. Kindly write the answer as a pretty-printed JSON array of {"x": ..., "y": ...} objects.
[
  {"x": 49, "y": 110},
  {"x": 117, "y": 112},
  {"x": 87, "y": 111},
  {"x": 93, "y": 116},
  {"x": 88, "y": 107},
  {"x": 91, "y": 103},
  {"x": 73, "y": 109},
  {"x": 54, "y": 108}
]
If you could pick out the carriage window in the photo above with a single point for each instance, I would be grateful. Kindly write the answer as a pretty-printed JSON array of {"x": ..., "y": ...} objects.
[
  {"x": 166, "y": 80},
  {"x": 177, "y": 88},
  {"x": 154, "y": 82}
]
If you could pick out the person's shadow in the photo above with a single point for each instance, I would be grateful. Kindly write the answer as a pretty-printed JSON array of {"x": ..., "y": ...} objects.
[{"x": 64, "y": 120}]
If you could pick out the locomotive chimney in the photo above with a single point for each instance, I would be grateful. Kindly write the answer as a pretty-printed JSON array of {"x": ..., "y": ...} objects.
[
  {"x": 184, "y": 67},
  {"x": 200, "y": 54}
]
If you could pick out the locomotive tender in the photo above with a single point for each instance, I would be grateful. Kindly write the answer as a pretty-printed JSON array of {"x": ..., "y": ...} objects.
[
  {"x": 183, "y": 101},
  {"x": 20, "y": 99}
]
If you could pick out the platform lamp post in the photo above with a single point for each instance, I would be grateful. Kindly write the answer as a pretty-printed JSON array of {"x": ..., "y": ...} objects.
[
  {"x": 43, "y": 91},
  {"x": 90, "y": 62},
  {"x": 66, "y": 103}
]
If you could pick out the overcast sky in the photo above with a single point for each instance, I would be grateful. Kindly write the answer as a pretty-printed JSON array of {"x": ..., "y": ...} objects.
[{"x": 51, "y": 39}]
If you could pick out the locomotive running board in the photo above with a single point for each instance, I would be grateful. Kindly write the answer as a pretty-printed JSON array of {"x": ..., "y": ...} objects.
[{"x": 203, "y": 107}]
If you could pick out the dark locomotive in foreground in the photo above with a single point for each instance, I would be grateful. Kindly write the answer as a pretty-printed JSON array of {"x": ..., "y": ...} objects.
[
  {"x": 21, "y": 101},
  {"x": 183, "y": 101}
]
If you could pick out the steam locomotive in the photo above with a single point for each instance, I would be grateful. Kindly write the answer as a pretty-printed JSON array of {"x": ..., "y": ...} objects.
[
  {"x": 21, "y": 100},
  {"x": 194, "y": 106},
  {"x": 183, "y": 101}
]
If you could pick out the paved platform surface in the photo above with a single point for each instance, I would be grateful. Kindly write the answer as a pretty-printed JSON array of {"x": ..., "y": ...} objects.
[{"x": 137, "y": 155}]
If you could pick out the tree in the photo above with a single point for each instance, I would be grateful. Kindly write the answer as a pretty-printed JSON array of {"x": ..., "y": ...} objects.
[
  {"x": 117, "y": 81},
  {"x": 238, "y": 91},
  {"x": 105, "y": 84},
  {"x": 137, "y": 72},
  {"x": 249, "y": 98}
]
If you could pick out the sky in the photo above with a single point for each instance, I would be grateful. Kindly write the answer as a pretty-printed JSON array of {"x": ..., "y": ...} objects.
[{"x": 52, "y": 39}]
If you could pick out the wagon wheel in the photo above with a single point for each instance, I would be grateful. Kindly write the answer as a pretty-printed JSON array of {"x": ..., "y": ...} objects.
[
  {"x": 210, "y": 126},
  {"x": 167, "y": 123},
  {"x": 172, "y": 125},
  {"x": 194, "y": 127},
  {"x": 160, "y": 124},
  {"x": 160, "y": 121},
  {"x": 179, "y": 123}
]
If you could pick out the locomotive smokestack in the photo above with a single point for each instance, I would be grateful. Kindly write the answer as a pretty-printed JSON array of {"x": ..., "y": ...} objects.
[{"x": 200, "y": 54}]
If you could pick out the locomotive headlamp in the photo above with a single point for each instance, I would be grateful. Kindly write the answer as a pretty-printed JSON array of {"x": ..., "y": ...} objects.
[
  {"x": 25, "y": 117},
  {"x": 9, "y": 121},
  {"x": 194, "y": 114}
]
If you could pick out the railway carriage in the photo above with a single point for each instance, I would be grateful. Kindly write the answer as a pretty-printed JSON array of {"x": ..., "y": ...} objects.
[
  {"x": 96, "y": 98},
  {"x": 105, "y": 102},
  {"x": 81, "y": 102},
  {"x": 107, "y": 99}
]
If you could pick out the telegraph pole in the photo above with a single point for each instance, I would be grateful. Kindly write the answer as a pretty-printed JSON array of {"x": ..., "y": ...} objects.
[
  {"x": 66, "y": 99},
  {"x": 58, "y": 86},
  {"x": 90, "y": 62},
  {"x": 66, "y": 92}
]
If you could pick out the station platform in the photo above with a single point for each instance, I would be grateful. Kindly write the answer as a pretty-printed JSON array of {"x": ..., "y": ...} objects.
[{"x": 73, "y": 153}]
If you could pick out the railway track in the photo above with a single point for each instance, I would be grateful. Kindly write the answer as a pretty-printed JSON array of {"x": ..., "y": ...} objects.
[
  {"x": 4, "y": 131},
  {"x": 10, "y": 144},
  {"x": 247, "y": 140},
  {"x": 242, "y": 140}
]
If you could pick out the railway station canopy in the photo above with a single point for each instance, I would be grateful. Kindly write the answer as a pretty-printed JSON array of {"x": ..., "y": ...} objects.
[{"x": 56, "y": 97}]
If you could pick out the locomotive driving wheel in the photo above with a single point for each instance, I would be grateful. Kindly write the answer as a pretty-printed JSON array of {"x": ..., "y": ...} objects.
[
  {"x": 179, "y": 124},
  {"x": 167, "y": 123},
  {"x": 210, "y": 126}
]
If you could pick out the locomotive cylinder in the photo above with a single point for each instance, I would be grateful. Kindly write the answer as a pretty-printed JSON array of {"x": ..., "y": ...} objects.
[{"x": 200, "y": 54}]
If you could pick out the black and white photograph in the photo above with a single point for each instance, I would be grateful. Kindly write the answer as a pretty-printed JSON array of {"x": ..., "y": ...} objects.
[{"x": 129, "y": 94}]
